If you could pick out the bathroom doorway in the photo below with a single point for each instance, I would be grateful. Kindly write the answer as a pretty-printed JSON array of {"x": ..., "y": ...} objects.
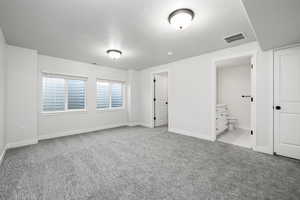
[{"x": 235, "y": 96}]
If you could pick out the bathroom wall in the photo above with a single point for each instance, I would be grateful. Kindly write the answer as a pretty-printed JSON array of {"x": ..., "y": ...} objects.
[{"x": 233, "y": 82}]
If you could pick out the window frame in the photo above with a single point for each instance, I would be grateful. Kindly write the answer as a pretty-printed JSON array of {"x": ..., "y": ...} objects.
[
  {"x": 110, "y": 82},
  {"x": 66, "y": 92}
]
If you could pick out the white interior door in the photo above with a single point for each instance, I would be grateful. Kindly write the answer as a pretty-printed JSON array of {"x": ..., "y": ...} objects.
[
  {"x": 161, "y": 99},
  {"x": 287, "y": 103}
]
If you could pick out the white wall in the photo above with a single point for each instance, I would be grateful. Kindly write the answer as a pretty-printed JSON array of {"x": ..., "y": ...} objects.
[
  {"x": 191, "y": 95},
  {"x": 21, "y": 96},
  {"x": 58, "y": 124},
  {"x": 133, "y": 97},
  {"x": 233, "y": 82},
  {"x": 2, "y": 93}
]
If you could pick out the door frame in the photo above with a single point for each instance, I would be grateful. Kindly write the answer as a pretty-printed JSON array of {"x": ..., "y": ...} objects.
[
  {"x": 152, "y": 95},
  {"x": 253, "y": 55}
]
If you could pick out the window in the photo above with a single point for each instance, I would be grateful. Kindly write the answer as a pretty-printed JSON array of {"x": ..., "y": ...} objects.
[
  {"x": 116, "y": 95},
  {"x": 63, "y": 94},
  {"x": 76, "y": 94},
  {"x": 53, "y": 94},
  {"x": 109, "y": 95},
  {"x": 103, "y": 96}
]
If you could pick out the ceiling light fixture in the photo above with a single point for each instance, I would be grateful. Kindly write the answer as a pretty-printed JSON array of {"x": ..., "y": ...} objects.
[
  {"x": 181, "y": 18},
  {"x": 114, "y": 53}
]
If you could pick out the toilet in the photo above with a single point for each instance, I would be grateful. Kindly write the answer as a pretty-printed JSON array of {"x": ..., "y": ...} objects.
[
  {"x": 224, "y": 121},
  {"x": 232, "y": 123}
]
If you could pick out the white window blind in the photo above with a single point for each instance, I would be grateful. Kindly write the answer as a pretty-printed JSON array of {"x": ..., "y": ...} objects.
[
  {"x": 116, "y": 95},
  {"x": 109, "y": 95},
  {"x": 53, "y": 94},
  {"x": 63, "y": 94},
  {"x": 103, "y": 95},
  {"x": 76, "y": 94}
]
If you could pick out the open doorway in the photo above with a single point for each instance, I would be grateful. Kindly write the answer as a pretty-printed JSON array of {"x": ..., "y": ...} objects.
[
  {"x": 235, "y": 108},
  {"x": 160, "y": 99}
]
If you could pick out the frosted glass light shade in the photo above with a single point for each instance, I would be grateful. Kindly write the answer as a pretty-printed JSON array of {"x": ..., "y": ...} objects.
[
  {"x": 114, "y": 54},
  {"x": 181, "y": 18}
]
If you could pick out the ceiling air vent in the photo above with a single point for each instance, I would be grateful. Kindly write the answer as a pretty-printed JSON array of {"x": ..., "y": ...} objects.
[{"x": 235, "y": 37}]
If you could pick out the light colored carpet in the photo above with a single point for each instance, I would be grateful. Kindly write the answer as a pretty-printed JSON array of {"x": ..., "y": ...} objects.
[{"x": 139, "y": 163}]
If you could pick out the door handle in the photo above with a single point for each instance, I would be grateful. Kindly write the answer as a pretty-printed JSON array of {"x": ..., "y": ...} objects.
[
  {"x": 246, "y": 96},
  {"x": 278, "y": 107}
]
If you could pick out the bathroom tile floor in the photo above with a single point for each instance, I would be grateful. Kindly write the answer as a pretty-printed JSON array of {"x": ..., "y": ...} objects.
[{"x": 239, "y": 137}]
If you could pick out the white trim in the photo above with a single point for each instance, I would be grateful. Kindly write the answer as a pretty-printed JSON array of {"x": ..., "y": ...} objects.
[
  {"x": 3, "y": 154},
  {"x": 263, "y": 149},
  {"x": 80, "y": 131},
  {"x": 21, "y": 143},
  {"x": 109, "y": 80},
  {"x": 110, "y": 109},
  {"x": 253, "y": 55},
  {"x": 63, "y": 111},
  {"x": 287, "y": 47},
  {"x": 192, "y": 134},
  {"x": 131, "y": 124},
  {"x": 145, "y": 125},
  {"x": 64, "y": 76}
]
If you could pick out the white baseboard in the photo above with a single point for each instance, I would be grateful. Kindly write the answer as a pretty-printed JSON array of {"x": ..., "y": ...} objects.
[
  {"x": 16, "y": 145},
  {"x": 3, "y": 154},
  {"x": 188, "y": 133},
  {"x": 133, "y": 124},
  {"x": 145, "y": 125},
  {"x": 263, "y": 149},
  {"x": 21, "y": 143},
  {"x": 80, "y": 131}
]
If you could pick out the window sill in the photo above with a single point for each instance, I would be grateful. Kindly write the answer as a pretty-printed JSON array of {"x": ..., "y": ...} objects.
[
  {"x": 62, "y": 112},
  {"x": 110, "y": 109}
]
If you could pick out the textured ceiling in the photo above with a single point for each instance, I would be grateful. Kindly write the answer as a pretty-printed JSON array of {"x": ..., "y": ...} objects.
[{"x": 84, "y": 29}]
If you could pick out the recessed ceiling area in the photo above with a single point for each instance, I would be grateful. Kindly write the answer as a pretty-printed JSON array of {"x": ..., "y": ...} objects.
[{"x": 85, "y": 30}]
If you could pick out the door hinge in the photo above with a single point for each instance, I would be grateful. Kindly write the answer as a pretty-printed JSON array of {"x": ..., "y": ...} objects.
[
  {"x": 154, "y": 80},
  {"x": 251, "y": 66},
  {"x": 154, "y": 99},
  {"x": 154, "y": 118},
  {"x": 251, "y": 132},
  {"x": 252, "y": 99}
]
